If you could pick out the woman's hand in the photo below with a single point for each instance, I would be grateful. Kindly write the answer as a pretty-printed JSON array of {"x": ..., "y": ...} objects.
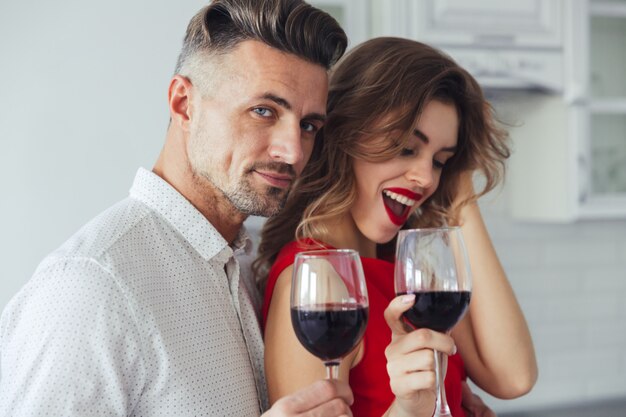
[
  {"x": 411, "y": 362},
  {"x": 473, "y": 404}
]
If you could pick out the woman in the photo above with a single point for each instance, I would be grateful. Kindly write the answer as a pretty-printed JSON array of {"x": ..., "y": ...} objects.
[{"x": 406, "y": 130}]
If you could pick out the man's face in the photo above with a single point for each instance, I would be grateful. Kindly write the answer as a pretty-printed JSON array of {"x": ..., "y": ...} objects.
[{"x": 253, "y": 132}]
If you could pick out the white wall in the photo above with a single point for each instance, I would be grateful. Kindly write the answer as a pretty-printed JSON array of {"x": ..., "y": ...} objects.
[
  {"x": 83, "y": 104},
  {"x": 570, "y": 280}
]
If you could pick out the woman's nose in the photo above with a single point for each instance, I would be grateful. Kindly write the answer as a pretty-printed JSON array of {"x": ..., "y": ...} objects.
[{"x": 421, "y": 173}]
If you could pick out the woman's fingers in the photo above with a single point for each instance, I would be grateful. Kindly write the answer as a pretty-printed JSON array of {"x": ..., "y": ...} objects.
[
  {"x": 421, "y": 339},
  {"x": 393, "y": 313},
  {"x": 416, "y": 339},
  {"x": 418, "y": 361},
  {"x": 408, "y": 385},
  {"x": 411, "y": 358}
]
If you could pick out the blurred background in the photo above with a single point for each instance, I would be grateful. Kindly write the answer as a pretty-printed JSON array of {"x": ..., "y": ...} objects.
[{"x": 83, "y": 105}]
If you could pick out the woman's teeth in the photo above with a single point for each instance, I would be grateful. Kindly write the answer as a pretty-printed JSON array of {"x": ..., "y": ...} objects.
[{"x": 400, "y": 198}]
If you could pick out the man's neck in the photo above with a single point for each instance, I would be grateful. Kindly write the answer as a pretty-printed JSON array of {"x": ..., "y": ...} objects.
[{"x": 209, "y": 201}]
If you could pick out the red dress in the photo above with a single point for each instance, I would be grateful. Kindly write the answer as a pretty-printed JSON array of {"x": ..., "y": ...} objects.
[{"x": 368, "y": 379}]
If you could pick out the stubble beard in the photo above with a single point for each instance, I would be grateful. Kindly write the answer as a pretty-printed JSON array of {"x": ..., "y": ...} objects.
[
  {"x": 251, "y": 202},
  {"x": 243, "y": 196},
  {"x": 266, "y": 201}
]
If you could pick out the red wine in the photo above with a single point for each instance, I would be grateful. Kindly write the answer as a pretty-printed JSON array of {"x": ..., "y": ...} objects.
[
  {"x": 437, "y": 310},
  {"x": 329, "y": 331}
]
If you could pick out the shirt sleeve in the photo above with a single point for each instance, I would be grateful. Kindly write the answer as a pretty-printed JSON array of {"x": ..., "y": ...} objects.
[{"x": 70, "y": 345}]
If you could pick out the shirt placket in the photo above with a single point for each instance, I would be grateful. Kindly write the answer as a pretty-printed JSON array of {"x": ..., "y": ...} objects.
[{"x": 250, "y": 328}]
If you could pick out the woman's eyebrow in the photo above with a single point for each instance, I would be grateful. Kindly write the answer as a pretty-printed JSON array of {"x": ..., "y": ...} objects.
[{"x": 421, "y": 136}]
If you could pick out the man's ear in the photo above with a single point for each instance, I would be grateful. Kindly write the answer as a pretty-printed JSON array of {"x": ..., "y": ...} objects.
[{"x": 179, "y": 99}]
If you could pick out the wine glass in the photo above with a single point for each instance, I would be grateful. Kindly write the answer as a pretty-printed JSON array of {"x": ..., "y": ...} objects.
[
  {"x": 433, "y": 265},
  {"x": 329, "y": 306}
]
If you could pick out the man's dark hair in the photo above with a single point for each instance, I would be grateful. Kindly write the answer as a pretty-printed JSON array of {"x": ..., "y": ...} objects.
[{"x": 291, "y": 26}]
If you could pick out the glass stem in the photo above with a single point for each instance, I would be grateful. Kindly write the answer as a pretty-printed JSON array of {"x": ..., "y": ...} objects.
[
  {"x": 441, "y": 407},
  {"x": 332, "y": 370}
]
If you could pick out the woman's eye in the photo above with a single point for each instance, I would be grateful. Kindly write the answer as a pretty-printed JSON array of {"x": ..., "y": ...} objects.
[
  {"x": 438, "y": 164},
  {"x": 407, "y": 152},
  {"x": 262, "y": 111}
]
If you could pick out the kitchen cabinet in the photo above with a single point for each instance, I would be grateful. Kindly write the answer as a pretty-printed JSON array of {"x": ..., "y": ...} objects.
[
  {"x": 603, "y": 164},
  {"x": 525, "y": 24},
  {"x": 502, "y": 44},
  {"x": 570, "y": 151}
]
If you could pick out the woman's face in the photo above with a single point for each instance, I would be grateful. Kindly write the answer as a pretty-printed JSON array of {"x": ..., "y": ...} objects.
[{"x": 387, "y": 192}]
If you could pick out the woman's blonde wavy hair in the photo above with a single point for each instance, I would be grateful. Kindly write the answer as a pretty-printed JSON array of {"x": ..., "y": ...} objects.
[{"x": 376, "y": 94}]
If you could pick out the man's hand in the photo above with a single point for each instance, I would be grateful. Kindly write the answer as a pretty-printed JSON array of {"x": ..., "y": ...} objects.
[
  {"x": 323, "y": 398},
  {"x": 472, "y": 404}
]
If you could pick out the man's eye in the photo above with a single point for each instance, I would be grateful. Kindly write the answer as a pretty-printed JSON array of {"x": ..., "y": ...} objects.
[
  {"x": 262, "y": 111},
  {"x": 309, "y": 127},
  {"x": 407, "y": 152}
]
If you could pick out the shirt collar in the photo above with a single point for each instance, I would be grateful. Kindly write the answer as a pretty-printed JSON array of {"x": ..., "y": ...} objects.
[
  {"x": 242, "y": 243},
  {"x": 160, "y": 196}
]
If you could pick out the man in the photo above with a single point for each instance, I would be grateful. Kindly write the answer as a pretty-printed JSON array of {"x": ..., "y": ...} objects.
[{"x": 143, "y": 312}]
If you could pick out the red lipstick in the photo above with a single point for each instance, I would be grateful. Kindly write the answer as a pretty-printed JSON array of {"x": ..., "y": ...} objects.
[
  {"x": 399, "y": 211},
  {"x": 407, "y": 193}
]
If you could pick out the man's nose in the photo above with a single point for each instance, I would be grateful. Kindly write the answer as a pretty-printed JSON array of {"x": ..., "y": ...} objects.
[{"x": 286, "y": 144}]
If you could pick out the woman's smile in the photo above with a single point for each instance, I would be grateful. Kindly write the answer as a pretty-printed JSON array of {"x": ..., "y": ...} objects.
[{"x": 399, "y": 203}]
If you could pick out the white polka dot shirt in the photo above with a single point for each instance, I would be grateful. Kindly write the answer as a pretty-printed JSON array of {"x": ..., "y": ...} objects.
[{"x": 141, "y": 313}]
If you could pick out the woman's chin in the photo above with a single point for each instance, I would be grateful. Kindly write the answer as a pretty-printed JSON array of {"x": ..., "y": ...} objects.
[{"x": 386, "y": 236}]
